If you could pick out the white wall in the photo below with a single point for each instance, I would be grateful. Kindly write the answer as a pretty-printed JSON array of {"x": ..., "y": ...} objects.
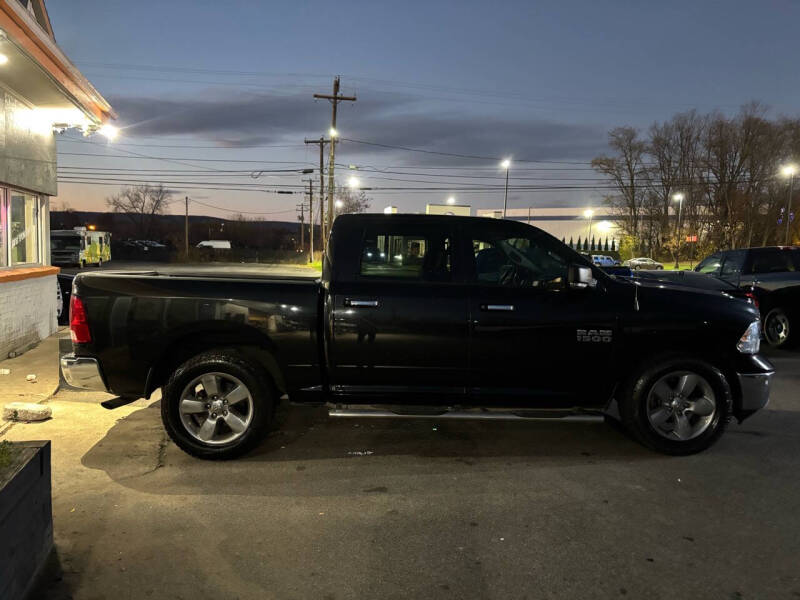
[{"x": 27, "y": 313}]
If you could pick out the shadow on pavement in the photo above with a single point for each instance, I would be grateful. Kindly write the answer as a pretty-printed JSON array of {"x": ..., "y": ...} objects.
[{"x": 135, "y": 448}]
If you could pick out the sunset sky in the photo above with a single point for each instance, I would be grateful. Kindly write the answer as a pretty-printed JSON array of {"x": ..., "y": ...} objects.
[{"x": 221, "y": 92}]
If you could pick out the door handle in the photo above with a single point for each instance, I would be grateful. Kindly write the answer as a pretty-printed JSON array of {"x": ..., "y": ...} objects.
[
  {"x": 362, "y": 303},
  {"x": 498, "y": 307}
]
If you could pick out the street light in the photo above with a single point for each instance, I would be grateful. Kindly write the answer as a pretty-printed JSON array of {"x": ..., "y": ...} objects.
[
  {"x": 333, "y": 133},
  {"x": 589, "y": 213},
  {"x": 788, "y": 171},
  {"x": 506, "y": 164},
  {"x": 451, "y": 200},
  {"x": 109, "y": 131},
  {"x": 353, "y": 183},
  {"x": 679, "y": 199}
]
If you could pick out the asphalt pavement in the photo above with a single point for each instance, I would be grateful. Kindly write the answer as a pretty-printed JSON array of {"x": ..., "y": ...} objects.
[{"x": 369, "y": 508}]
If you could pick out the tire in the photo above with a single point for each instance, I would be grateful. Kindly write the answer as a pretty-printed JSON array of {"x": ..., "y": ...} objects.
[
  {"x": 192, "y": 412},
  {"x": 777, "y": 328},
  {"x": 647, "y": 400}
]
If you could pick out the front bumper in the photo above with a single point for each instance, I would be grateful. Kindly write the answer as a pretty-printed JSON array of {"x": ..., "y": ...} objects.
[
  {"x": 754, "y": 389},
  {"x": 82, "y": 372}
]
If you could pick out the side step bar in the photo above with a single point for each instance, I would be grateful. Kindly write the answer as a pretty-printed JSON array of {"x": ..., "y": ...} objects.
[{"x": 462, "y": 413}]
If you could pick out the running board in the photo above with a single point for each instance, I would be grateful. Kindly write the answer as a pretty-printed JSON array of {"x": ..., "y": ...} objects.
[{"x": 478, "y": 414}]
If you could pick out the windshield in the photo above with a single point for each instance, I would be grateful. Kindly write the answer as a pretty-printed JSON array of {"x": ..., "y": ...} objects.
[{"x": 67, "y": 242}]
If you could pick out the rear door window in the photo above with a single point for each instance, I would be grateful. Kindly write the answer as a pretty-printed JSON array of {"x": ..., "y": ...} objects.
[
  {"x": 772, "y": 260},
  {"x": 406, "y": 255},
  {"x": 733, "y": 263}
]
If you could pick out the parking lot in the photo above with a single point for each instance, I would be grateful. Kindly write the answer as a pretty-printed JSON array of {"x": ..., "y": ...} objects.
[{"x": 368, "y": 508}]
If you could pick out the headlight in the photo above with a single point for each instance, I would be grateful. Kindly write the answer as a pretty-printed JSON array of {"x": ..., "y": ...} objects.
[{"x": 750, "y": 342}]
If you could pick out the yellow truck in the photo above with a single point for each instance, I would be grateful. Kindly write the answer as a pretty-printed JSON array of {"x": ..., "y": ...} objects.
[{"x": 80, "y": 247}]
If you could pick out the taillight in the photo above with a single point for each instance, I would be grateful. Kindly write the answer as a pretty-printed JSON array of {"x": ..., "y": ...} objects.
[
  {"x": 753, "y": 298},
  {"x": 78, "y": 324}
]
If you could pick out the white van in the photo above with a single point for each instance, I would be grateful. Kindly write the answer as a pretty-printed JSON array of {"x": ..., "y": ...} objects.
[{"x": 215, "y": 244}]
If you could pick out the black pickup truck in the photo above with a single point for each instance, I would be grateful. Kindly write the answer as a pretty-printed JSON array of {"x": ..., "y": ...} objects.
[
  {"x": 421, "y": 315},
  {"x": 772, "y": 275}
]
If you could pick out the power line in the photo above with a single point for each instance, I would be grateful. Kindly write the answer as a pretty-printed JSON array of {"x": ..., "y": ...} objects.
[{"x": 470, "y": 156}]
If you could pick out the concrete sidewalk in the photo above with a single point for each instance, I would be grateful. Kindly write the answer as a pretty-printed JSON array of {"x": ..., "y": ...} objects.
[{"x": 42, "y": 361}]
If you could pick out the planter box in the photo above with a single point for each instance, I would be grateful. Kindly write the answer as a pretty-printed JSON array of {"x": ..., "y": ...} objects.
[{"x": 26, "y": 519}]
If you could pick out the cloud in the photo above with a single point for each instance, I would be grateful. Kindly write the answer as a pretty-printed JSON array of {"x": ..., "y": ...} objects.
[{"x": 252, "y": 119}]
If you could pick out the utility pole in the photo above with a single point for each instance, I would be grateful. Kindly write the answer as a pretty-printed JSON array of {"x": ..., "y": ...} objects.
[
  {"x": 302, "y": 226},
  {"x": 186, "y": 228},
  {"x": 321, "y": 141},
  {"x": 334, "y": 99},
  {"x": 786, "y": 239},
  {"x": 311, "y": 219}
]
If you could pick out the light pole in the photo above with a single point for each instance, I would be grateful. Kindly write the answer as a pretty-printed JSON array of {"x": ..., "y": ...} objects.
[
  {"x": 788, "y": 171},
  {"x": 506, "y": 164},
  {"x": 589, "y": 213},
  {"x": 679, "y": 199}
]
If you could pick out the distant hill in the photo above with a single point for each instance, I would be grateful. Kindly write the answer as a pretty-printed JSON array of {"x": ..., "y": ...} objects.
[{"x": 169, "y": 229}]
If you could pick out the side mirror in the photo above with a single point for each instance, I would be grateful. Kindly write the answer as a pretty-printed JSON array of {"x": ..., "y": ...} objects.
[{"x": 580, "y": 277}]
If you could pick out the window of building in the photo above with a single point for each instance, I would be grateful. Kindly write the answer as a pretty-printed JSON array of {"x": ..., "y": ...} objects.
[
  {"x": 518, "y": 262},
  {"x": 23, "y": 228},
  {"x": 406, "y": 256}
]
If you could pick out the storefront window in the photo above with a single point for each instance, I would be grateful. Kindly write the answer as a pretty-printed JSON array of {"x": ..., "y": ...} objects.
[{"x": 24, "y": 228}]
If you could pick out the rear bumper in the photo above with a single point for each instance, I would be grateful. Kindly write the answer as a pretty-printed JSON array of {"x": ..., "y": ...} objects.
[{"x": 82, "y": 372}]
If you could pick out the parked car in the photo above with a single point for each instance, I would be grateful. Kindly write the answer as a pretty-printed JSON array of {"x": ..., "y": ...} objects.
[
  {"x": 603, "y": 260},
  {"x": 643, "y": 263},
  {"x": 462, "y": 316},
  {"x": 773, "y": 275}
]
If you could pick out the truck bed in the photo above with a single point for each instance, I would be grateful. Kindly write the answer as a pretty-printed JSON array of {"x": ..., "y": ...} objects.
[{"x": 143, "y": 321}]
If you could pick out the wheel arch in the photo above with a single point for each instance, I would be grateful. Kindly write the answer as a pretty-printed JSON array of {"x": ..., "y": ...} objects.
[{"x": 245, "y": 340}]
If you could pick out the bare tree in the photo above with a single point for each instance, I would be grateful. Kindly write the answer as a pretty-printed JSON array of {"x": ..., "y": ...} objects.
[
  {"x": 351, "y": 201},
  {"x": 141, "y": 204},
  {"x": 628, "y": 174}
]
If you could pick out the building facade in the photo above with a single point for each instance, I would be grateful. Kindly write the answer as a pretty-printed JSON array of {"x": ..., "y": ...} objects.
[{"x": 41, "y": 93}]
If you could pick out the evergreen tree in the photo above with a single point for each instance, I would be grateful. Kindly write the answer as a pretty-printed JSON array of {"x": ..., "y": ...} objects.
[
  {"x": 605, "y": 247},
  {"x": 613, "y": 245},
  {"x": 571, "y": 243},
  {"x": 593, "y": 245},
  {"x": 579, "y": 247},
  {"x": 586, "y": 245}
]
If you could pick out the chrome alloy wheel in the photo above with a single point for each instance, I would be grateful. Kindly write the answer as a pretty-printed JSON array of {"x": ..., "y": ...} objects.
[
  {"x": 216, "y": 408},
  {"x": 776, "y": 327},
  {"x": 681, "y": 405}
]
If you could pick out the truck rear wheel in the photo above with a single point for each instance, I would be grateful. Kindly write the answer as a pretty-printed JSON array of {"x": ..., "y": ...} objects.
[
  {"x": 217, "y": 405},
  {"x": 676, "y": 406}
]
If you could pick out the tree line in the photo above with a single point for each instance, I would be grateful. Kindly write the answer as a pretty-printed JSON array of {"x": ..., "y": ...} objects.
[{"x": 726, "y": 175}]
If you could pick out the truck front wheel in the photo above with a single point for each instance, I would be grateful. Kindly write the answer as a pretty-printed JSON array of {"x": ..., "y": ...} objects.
[
  {"x": 676, "y": 406},
  {"x": 217, "y": 405}
]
